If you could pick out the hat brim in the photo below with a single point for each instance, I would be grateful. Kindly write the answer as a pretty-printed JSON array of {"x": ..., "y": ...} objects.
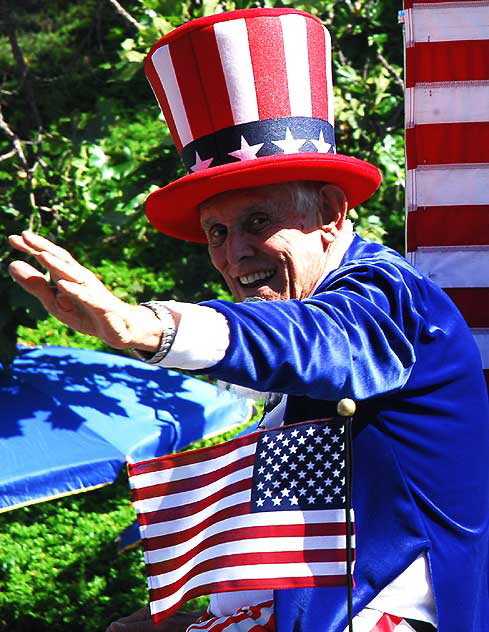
[{"x": 174, "y": 209}]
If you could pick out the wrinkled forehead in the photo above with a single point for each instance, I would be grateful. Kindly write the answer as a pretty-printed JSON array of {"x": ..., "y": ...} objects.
[{"x": 232, "y": 205}]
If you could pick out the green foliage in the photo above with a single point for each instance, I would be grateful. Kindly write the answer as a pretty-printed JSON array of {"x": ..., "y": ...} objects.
[{"x": 59, "y": 565}]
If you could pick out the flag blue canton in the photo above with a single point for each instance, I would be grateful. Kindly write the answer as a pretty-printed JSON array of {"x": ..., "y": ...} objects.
[{"x": 300, "y": 467}]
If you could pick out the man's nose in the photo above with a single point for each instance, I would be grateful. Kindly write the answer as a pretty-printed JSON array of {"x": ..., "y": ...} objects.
[{"x": 238, "y": 247}]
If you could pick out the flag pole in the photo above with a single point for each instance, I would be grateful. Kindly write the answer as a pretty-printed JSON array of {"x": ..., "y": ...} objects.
[{"x": 346, "y": 408}]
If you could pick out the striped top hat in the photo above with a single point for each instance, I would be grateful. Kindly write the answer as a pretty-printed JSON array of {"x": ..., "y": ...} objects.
[{"x": 248, "y": 98}]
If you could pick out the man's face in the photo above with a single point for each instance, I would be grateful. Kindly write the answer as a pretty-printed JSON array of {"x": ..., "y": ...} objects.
[{"x": 262, "y": 245}]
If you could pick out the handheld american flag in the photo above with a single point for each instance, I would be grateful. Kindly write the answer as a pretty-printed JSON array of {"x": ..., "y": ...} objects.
[{"x": 266, "y": 510}]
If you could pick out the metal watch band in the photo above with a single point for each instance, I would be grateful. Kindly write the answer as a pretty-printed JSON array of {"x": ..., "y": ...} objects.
[{"x": 167, "y": 338}]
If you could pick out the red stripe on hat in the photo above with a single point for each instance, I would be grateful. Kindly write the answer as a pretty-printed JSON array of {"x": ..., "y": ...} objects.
[
  {"x": 448, "y": 226},
  {"x": 473, "y": 302},
  {"x": 447, "y": 143},
  {"x": 318, "y": 68},
  {"x": 190, "y": 85},
  {"x": 427, "y": 62},
  {"x": 214, "y": 84},
  {"x": 269, "y": 69},
  {"x": 162, "y": 100}
]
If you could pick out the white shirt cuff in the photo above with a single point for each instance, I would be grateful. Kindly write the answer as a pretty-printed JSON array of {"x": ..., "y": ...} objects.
[{"x": 201, "y": 340}]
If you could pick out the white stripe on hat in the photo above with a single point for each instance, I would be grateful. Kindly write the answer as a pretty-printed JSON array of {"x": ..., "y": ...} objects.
[
  {"x": 450, "y": 22},
  {"x": 166, "y": 72},
  {"x": 457, "y": 102},
  {"x": 329, "y": 76},
  {"x": 448, "y": 185},
  {"x": 294, "y": 32},
  {"x": 234, "y": 48},
  {"x": 454, "y": 266},
  {"x": 481, "y": 337}
]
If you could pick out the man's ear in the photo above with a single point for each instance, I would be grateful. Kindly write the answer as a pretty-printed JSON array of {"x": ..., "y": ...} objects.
[{"x": 334, "y": 208}]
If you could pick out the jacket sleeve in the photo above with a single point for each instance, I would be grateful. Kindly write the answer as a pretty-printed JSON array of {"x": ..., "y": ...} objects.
[{"x": 354, "y": 338}]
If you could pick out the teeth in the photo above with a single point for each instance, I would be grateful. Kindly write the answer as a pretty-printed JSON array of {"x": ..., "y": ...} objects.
[{"x": 256, "y": 276}]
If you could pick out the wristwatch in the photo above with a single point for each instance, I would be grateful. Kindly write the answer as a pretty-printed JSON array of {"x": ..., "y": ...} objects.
[{"x": 167, "y": 338}]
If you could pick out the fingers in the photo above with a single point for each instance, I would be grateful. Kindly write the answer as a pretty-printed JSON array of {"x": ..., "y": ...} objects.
[
  {"x": 58, "y": 261},
  {"x": 34, "y": 244},
  {"x": 33, "y": 281}
]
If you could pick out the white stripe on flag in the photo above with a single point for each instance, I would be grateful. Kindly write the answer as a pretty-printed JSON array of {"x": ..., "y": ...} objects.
[
  {"x": 184, "y": 472},
  {"x": 262, "y": 571},
  {"x": 257, "y": 545},
  {"x": 166, "y": 72},
  {"x": 186, "y": 497},
  {"x": 234, "y": 48},
  {"x": 294, "y": 32},
  {"x": 449, "y": 21},
  {"x": 481, "y": 337},
  {"x": 466, "y": 102},
  {"x": 454, "y": 266},
  {"x": 181, "y": 524},
  {"x": 292, "y": 543},
  {"x": 448, "y": 185}
]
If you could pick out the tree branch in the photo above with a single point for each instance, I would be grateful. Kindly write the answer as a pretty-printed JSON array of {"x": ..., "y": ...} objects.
[
  {"x": 127, "y": 16},
  {"x": 391, "y": 70}
]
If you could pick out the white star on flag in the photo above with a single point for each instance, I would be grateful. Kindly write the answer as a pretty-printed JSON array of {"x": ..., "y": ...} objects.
[
  {"x": 200, "y": 165},
  {"x": 247, "y": 152},
  {"x": 290, "y": 145},
  {"x": 321, "y": 145}
]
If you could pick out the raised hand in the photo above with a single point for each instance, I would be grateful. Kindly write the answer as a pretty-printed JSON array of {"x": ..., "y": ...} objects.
[{"x": 79, "y": 299}]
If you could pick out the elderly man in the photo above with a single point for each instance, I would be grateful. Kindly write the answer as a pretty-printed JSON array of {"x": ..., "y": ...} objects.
[{"x": 321, "y": 315}]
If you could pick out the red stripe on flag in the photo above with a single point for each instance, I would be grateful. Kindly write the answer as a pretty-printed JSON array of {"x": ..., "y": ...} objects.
[
  {"x": 486, "y": 376},
  {"x": 409, "y": 3},
  {"x": 387, "y": 623},
  {"x": 245, "y": 559},
  {"x": 189, "y": 458},
  {"x": 427, "y": 62},
  {"x": 434, "y": 226},
  {"x": 172, "y": 539},
  {"x": 191, "y": 483},
  {"x": 447, "y": 143},
  {"x": 258, "y": 584},
  {"x": 268, "y": 61},
  {"x": 214, "y": 85},
  {"x": 316, "y": 49},
  {"x": 190, "y": 508},
  {"x": 473, "y": 302},
  {"x": 189, "y": 83},
  {"x": 161, "y": 97},
  {"x": 246, "y": 533}
]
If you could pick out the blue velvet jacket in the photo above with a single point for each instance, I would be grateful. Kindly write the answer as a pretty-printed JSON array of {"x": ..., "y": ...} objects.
[{"x": 379, "y": 332}]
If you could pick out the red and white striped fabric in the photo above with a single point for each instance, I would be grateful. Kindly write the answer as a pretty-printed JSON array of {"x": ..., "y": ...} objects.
[
  {"x": 447, "y": 152},
  {"x": 260, "y": 618},
  {"x": 241, "y": 70}
]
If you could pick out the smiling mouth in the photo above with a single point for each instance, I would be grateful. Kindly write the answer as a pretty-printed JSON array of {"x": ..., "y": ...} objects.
[{"x": 256, "y": 279}]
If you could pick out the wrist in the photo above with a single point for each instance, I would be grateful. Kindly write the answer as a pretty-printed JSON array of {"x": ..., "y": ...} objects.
[{"x": 159, "y": 339}]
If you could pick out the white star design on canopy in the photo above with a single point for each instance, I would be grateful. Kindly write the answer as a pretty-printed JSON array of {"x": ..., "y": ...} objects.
[
  {"x": 200, "y": 164},
  {"x": 247, "y": 152},
  {"x": 290, "y": 145},
  {"x": 321, "y": 145}
]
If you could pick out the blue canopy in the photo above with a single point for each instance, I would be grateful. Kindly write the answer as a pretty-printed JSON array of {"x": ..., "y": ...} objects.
[{"x": 71, "y": 418}]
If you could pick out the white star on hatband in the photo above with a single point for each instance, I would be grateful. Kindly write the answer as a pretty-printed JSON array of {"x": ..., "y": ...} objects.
[
  {"x": 247, "y": 152},
  {"x": 290, "y": 145}
]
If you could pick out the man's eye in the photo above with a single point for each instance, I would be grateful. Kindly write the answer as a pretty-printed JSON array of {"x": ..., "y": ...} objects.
[
  {"x": 257, "y": 222},
  {"x": 216, "y": 235}
]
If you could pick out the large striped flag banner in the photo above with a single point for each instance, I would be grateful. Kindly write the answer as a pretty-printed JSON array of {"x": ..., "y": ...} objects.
[
  {"x": 265, "y": 510},
  {"x": 447, "y": 152}
]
